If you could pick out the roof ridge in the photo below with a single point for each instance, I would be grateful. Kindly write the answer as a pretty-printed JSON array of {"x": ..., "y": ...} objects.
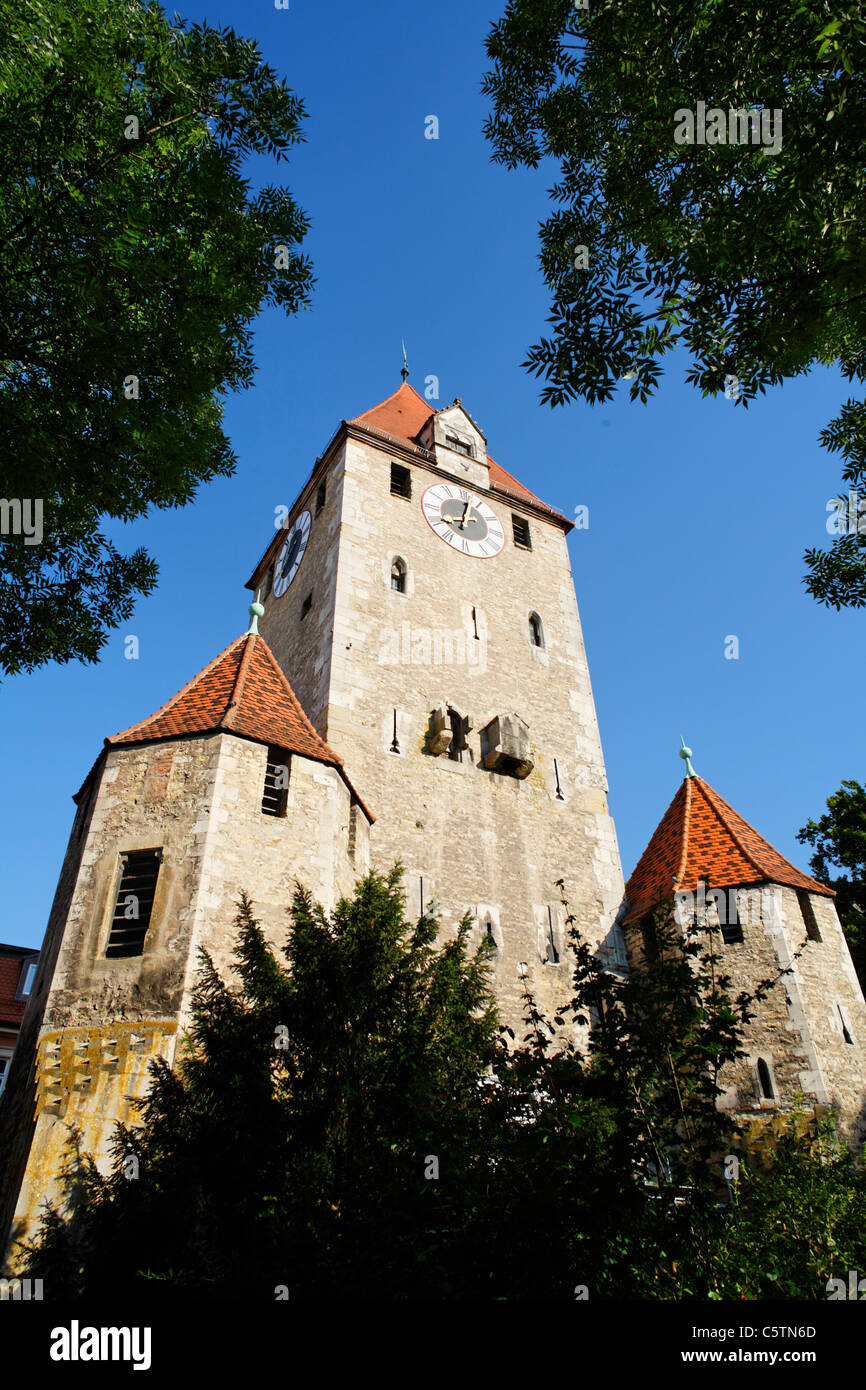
[
  {"x": 403, "y": 385},
  {"x": 687, "y": 817},
  {"x": 310, "y": 727},
  {"x": 746, "y": 853},
  {"x": 163, "y": 709},
  {"x": 237, "y": 690}
]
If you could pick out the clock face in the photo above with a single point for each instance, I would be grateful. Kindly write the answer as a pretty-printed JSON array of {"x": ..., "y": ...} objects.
[
  {"x": 462, "y": 520},
  {"x": 291, "y": 554}
]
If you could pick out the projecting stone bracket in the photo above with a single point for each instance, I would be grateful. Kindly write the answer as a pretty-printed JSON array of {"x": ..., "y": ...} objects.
[{"x": 505, "y": 746}]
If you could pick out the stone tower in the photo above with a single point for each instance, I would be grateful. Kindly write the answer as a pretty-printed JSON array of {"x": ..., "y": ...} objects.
[
  {"x": 421, "y": 603},
  {"x": 808, "y": 1037},
  {"x": 420, "y": 616},
  {"x": 227, "y": 787}
]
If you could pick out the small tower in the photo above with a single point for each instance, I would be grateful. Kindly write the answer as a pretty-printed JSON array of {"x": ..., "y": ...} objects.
[
  {"x": 808, "y": 1037},
  {"x": 226, "y": 788}
]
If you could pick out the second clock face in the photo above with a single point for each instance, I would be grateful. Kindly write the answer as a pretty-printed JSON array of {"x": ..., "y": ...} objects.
[
  {"x": 462, "y": 520},
  {"x": 291, "y": 554}
]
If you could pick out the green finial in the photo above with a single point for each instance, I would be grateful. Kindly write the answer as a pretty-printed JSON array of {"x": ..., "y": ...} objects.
[
  {"x": 685, "y": 754},
  {"x": 256, "y": 611}
]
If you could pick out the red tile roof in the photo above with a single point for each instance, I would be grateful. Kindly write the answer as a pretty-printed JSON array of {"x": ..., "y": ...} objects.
[
  {"x": 244, "y": 692},
  {"x": 11, "y": 1009},
  {"x": 701, "y": 836},
  {"x": 404, "y": 414}
]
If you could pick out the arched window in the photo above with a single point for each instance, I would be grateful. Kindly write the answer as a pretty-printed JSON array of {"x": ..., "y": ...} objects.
[
  {"x": 765, "y": 1080},
  {"x": 398, "y": 575},
  {"x": 536, "y": 630}
]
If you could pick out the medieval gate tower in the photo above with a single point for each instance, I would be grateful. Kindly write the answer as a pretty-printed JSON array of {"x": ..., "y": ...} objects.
[
  {"x": 418, "y": 691},
  {"x": 423, "y": 610}
]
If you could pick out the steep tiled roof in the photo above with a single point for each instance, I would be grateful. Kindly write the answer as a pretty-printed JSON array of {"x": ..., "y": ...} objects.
[
  {"x": 404, "y": 414},
  {"x": 701, "y": 836},
  {"x": 244, "y": 692}
]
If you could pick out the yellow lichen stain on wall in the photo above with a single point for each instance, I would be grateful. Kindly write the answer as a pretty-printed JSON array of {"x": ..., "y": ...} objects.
[{"x": 86, "y": 1080}]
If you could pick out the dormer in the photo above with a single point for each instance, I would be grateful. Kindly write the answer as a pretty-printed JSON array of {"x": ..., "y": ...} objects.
[{"x": 458, "y": 444}]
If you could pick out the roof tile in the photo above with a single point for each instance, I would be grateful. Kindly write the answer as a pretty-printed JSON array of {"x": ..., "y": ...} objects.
[
  {"x": 244, "y": 692},
  {"x": 404, "y": 414},
  {"x": 701, "y": 837}
]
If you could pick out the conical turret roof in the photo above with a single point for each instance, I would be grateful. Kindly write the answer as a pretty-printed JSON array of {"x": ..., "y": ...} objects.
[
  {"x": 242, "y": 691},
  {"x": 701, "y": 837}
]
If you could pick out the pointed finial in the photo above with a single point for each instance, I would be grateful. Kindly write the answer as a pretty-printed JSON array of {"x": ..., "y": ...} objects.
[
  {"x": 404, "y": 370},
  {"x": 256, "y": 611},
  {"x": 685, "y": 754}
]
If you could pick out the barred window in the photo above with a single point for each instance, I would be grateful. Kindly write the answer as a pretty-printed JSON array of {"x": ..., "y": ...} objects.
[
  {"x": 275, "y": 796},
  {"x": 134, "y": 904},
  {"x": 401, "y": 481}
]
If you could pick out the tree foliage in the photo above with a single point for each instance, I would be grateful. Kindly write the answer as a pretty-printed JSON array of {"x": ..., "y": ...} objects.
[
  {"x": 136, "y": 255},
  {"x": 839, "y": 841},
  {"x": 355, "y": 1123},
  {"x": 747, "y": 258}
]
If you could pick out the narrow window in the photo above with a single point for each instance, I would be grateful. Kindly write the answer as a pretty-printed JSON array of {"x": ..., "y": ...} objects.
[
  {"x": 520, "y": 527},
  {"x": 395, "y": 747},
  {"x": 4, "y": 1070},
  {"x": 134, "y": 904},
  {"x": 461, "y": 445},
  {"x": 401, "y": 481},
  {"x": 552, "y": 953},
  {"x": 559, "y": 795},
  {"x": 398, "y": 575},
  {"x": 846, "y": 1031},
  {"x": 490, "y": 935},
  {"x": 475, "y": 626},
  {"x": 321, "y": 494},
  {"x": 810, "y": 921},
  {"x": 648, "y": 936},
  {"x": 536, "y": 631},
  {"x": 26, "y": 978},
  {"x": 306, "y": 606},
  {"x": 732, "y": 930},
  {"x": 765, "y": 1080},
  {"x": 275, "y": 797}
]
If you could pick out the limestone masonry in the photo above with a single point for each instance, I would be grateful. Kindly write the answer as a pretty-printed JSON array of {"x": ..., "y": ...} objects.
[{"x": 418, "y": 691}]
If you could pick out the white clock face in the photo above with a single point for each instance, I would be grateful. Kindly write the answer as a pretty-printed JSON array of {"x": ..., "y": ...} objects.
[
  {"x": 463, "y": 520},
  {"x": 291, "y": 554}
]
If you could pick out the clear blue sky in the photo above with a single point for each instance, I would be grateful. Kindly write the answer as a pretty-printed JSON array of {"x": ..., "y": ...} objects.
[{"x": 699, "y": 512}]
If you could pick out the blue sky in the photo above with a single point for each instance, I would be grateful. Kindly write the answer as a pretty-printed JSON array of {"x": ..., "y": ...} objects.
[{"x": 699, "y": 511}]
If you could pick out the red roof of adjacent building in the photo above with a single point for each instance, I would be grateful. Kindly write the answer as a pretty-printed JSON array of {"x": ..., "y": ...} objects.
[
  {"x": 701, "y": 837},
  {"x": 243, "y": 691},
  {"x": 403, "y": 416},
  {"x": 11, "y": 961}
]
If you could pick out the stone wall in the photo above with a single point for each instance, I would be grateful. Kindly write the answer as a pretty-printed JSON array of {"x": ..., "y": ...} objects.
[
  {"x": 465, "y": 835},
  {"x": 799, "y": 1029},
  {"x": 94, "y": 1022}
]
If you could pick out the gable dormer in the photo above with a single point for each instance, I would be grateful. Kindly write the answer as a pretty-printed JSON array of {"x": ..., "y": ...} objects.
[{"x": 458, "y": 443}]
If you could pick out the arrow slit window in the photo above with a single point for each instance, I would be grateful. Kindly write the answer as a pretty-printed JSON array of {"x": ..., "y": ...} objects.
[{"x": 139, "y": 871}]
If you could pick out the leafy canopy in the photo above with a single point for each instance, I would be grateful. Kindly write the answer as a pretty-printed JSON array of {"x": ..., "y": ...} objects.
[
  {"x": 753, "y": 262},
  {"x": 136, "y": 256},
  {"x": 839, "y": 841},
  {"x": 354, "y": 1124}
]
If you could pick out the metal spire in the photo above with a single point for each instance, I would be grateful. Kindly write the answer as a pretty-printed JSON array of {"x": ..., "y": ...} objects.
[
  {"x": 256, "y": 611},
  {"x": 404, "y": 370},
  {"x": 685, "y": 754}
]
